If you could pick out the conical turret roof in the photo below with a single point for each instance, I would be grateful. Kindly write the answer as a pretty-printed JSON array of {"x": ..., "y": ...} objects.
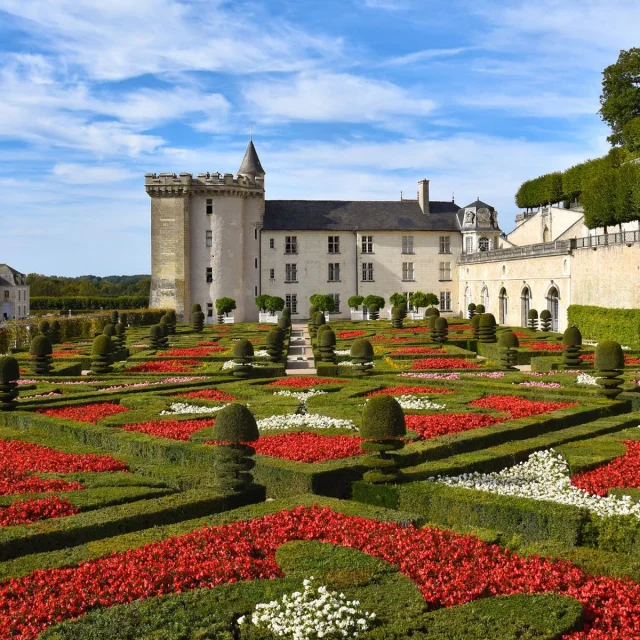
[{"x": 251, "y": 163}]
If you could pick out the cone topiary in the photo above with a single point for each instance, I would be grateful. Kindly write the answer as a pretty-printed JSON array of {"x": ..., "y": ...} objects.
[
  {"x": 41, "y": 351},
  {"x": 571, "y": 355},
  {"x": 480, "y": 308},
  {"x": 374, "y": 312},
  {"x": 545, "y": 320},
  {"x": 284, "y": 323},
  {"x": 101, "y": 354},
  {"x": 156, "y": 337},
  {"x": 9, "y": 376},
  {"x": 487, "y": 328},
  {"x": 508, "y": 343},
  {"x": 362, "y": 356},
  {"x": 55, "y": 332},
  {"x": 274, "y": 343},
  {"x": 243, "y": 353},
  {"x": 383, "y": 427},
  {"x": 197, "y": 321},
  {"x": 233, "y": 461},
  {"x": 431, "y": 324},
  {"x": 472, "y": 310},
  {"x": 43, "y": 328},
  {"x": 442, "y": 330},
  {"x": 609, "y": 363},
  {"x": 397, "y": 318},
  {"x": 172, "y": 321},
  {"x": 327, "y": 345},
  {"x": 532, "y": 319},
  {"x": 475, "y": 325}
]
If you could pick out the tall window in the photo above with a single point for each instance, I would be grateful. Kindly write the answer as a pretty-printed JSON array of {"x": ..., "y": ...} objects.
[
  {"x": 209, "y": 274},
  {"x": 334, "y": 244},
  {"x": 291, "y": 244},
  {"x": 272, "y": 274},
  {"x": 6, "y": 293},
  {"x": 334, "y": 272},
  {"x": 367, "y": 271},
  {"x": 445, "y": 271},
  {"x": 209, "y": 238},
  {"x": 410, "y": 307},
  {"x": 336, "y": 302},
  {"x": 445, "y": 301},
  {"x": 445, "y": 244},
  {"x": 291, "y": 302},
  {"x": 483, "y": 244},
  {"x": 407, "y": 271},
  {"x": 255, "y": 263},
  {"x": 291, "y": 272},
  {"x": 209, "y": 309},
  {"x": 469, "y": 244},
  {"x": 209, "y": 206},
  {"x": 407, "y": 244},
  {"x": 272, "y": 243},
  {"x": 367, "y": 244}
]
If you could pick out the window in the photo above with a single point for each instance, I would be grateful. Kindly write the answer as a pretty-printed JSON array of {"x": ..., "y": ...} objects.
[
  {"x": 209, "y": 309},
  {"x": 291, "y": 302},
  {"x": 445, "y": 271},
  {"x": 445, "y": 244},
  {"x": 272, "y": 274},
  {"x": 291, "y": 272},
  {"x": 209, "y": 207},
  {"x": 407, "y": 244},
  {"x": 336, "y": 302},
  {"x": 255, "y": 233},
  {"x": 291, "y": 244},
  {"x": 334, "y": 244},
  {"x": 469, "y": 245},
  {"x": 407, "y": 271},
  {"x": 6, "y": 293},
  {"x": 272, "y": 243},
  {"x": 334, "y": 272},
  {"x": 209, "y": 238},
  {"x": 255, "y": 262},
  {"x": 19, "y": 291},
  {"x": 255, "y": 290},
  {"x": 367, "y": 244},
  {"x": 209, "y": 274},
  {"x": 367, "y": 271},
  {"x": 483, "y": 244},
  {"x": 410, "y": 307},
  {"x": 445, "y": 301}
]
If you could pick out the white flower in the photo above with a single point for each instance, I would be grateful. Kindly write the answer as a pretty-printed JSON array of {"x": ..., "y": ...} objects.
[
  {"x": 303, "y": 396},
  {"x": 351, "y": 363},
  {"x": 585, "y": 378},
  {"x": 417, "y": 402},
  {"x": 178, "y": 408},
  {"x": 311, "y": 420}
]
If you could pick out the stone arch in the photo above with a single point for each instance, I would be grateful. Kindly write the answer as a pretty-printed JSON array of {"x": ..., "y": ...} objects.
[
  {"x": 503, "y": 310},
  {"x": 546, "y": 234},
  {"x": 484, "y": 294},
  {"x": 467, "y": 300},
  {"x": 553, "y": 304},
  {"x": 525, "y": 305}
]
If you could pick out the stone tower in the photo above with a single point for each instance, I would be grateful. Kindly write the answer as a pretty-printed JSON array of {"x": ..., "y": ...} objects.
[{"x": 205, "y": 238}]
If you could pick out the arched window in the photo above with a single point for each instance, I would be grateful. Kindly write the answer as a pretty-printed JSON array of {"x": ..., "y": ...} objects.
[
  {"x": 483, "y": 244},
  {"x": 504, "y": 307},
  {"x": 553, "y": 306},
  {"x": 546, "y": 235},
  {"x": 467, "y": 298},
  {"x": 485, "y": 298},
  {"x": 526, "y": 305}
]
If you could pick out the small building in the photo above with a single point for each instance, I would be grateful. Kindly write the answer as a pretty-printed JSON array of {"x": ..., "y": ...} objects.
[{"x": 14, "y": 294}]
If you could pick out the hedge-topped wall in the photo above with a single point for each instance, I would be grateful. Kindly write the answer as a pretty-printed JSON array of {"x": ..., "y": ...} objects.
[{"x": 598, "y": 323}]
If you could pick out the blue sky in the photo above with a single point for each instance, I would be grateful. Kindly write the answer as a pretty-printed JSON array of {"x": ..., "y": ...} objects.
[{"x": 350, "y": 99}]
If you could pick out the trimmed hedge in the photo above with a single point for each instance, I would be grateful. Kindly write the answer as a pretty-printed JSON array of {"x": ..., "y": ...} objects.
[{"x": 599, "y": 323}]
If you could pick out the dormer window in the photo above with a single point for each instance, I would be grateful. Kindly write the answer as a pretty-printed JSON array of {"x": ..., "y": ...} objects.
[{"x": 483, "y": 244}]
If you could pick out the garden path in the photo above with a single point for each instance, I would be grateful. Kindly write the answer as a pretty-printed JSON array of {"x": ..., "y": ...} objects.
[{"x": 300, "y": 357}]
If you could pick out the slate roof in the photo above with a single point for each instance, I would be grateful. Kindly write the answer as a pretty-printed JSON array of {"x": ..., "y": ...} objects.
[
  {"x": 365, "y": 215},
  {"x": 478, "y": 204},
  {"x": 10, "y": 276},
  {"x": 251, "y": 165}
]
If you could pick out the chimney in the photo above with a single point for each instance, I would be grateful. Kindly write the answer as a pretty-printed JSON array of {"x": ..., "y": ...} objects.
[{"x": 423, "y": 195}]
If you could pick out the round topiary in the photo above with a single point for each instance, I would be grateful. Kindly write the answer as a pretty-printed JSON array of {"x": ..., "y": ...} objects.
[
  {"x": 572, "y": 336},
  {"x": 471, "y": 308},
  {"x": 321, "y": 329},
  {"x": 101, "y": 354},
  {"x": 397, "y": 318},
  {"x": 508, "y": 340},
  {"x": 55, "y": 332},
  {"x": 44, "y": 327},
  {"x": 327, "y": 345},
  {"x": 235, "y": 424},
  {"x": 508, "y": 343},
  {"x": 545, "y": 320},
  {"x": 487, "y": 328},
  {"x": 9, "y": 376},
  {"x": 243, "y": 352},
  {"x": 196, "y": 308},
  {"x": 475, "y": 325},
  {"x": 441, "y": 328},
  {"x": 362, "y": 356},
  {"x": 382, "y": 430},
  {"x": 319, "y": 319},
  {"x": 432, "y": 311},
  {"x": 197, "y": 321},
  {"x": 480, "y": 308},
  {"x": 243, "y": 349},
  {"x": 532, "y": 319},
  {"x": 571, "y": 355},
  {"x": 41, "y": 351},
  {"x": 609, "y": 362}
]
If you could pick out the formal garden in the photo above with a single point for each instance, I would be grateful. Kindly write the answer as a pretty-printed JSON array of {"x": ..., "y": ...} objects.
[{"x": 435, "y": 478}]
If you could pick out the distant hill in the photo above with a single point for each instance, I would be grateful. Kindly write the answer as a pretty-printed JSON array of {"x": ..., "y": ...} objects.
[{"x": 94, "y": 286}]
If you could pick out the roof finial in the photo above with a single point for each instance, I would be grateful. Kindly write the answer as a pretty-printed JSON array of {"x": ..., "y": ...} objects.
[
  {"x": 453, "y": 196},
  {"x": 250, "y": 130},
  {"x": 401, "y": 195}
]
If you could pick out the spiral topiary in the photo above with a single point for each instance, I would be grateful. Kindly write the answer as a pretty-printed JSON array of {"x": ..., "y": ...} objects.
[
  {"x": 609, "y": 363},
  {"x": 480, "y": 308},
  {"x": 41, "y": 351},
  {"x": 571, "y": 355},
  {"x": 101, "y": 354},
  {"x": 397, "y": 318},
  {"x": 362, "y": 356},
  {"x": 532, "y": 319},
  {"x": 431, "y": 324},
  {"x": 197, "y": 321},
  {"x": 284, "y": 323},
  {"x": 115, "y": 317},
  {"x": 243, "y": 353},
  {"x": 110, "y": 330},
  {"x": 327, "y": 345},
  {"x": 382, "y": 430},
  {"x": 172, "y": 320},
  {"x": 195, "y": 308},
  {"x": 233, "y": 461},
  {"x": 44, "y": 328},
  {"x": 545, "y": 320},
  {"x": 120, "y": 338},
  {"x": 9, "y": 376},
  {"x": 374, "y": 312},
  {"x": 471, "y": 308},
  {"x": 164, "y": 326},
  {"x": 475, "y": 325},
  {"x": 441, "y": 328},
  {"x": 55, "y": 332},
  {"x": 487, "y": 328},
  {"x": 508, "y": 343},
  {"x": 274, "y": 343},
  {"x": 124, "y": 318},
  {"x": 156, "y": 337}
]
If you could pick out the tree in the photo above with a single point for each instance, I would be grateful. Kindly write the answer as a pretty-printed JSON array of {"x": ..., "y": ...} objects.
[
  {"x": 599, "y": 196},
  {"x": 396, "y": 299},
  {"x": 620, "y": 99},
  {"x": 274, "y": 304},
  {"x": 323, "y": 302},
  {"x": 223, "y": 306},
  {"x": 371, "y": 300},
  {"x": 261, "y": 302},
  {"x": 631, "y": 135},
  {"x": 355, "y": 301}
]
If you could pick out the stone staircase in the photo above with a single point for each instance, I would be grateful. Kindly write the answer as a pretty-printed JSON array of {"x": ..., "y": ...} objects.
[{"x": 300, "y": 359}]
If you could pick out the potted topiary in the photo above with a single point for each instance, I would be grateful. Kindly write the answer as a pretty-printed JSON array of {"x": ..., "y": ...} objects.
[
  {"x": 609, "y": 363},
  {"x": 327, "y": 345},
  {"x": 571, "y": 355},
  {"x": 243, "y": 353},
  {"x": 9, "y": 376},
  {"x": 354, "y": 302},
  {"x": 508, "y": 343},
  {"x": 487, "y": 328},
  {"x": 471, "y": 308},
  {"x": 545, "y": 320},
  {"x": 101, "y": 354},
  {"x": 532, "y": 320},
  {"x": 441, "y": 327},
  {"x": 224, "y": 306},
  {"x": 374, "y": 312},
  {"x": 383, "y": 428},
  {"x": 362, "y": 356},
  {"x": 41, "y": 351}
]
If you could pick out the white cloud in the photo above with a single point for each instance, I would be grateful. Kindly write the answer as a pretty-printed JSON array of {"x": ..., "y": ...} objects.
[
  {"x": 546, "y": 104},
  {"x": 83, "y": 174},
  {"x": 420, "y": 56}
]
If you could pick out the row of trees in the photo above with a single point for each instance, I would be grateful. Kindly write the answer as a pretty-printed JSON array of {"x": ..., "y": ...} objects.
[
  {"x": 89, "y": 286},
  {"x": 85, "y": 303},
  {"x": 417, "y": 300}
]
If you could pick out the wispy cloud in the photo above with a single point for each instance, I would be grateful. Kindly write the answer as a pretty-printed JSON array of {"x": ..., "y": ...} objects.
[{"x": 420, "y": 56}]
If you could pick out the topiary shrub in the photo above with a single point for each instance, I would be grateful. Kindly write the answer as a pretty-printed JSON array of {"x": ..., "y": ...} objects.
[
  {"x": 233, "y": 461},
  {"x": 43, "y": 328},
  {"x": 55, "y": 332},
  {"x": 110, "y": 330},
  {"x": 124, "y": 318},
  {"x": 120, "y": 338},
  {"x": 321, "y": 329},
  {"x": 284, "y": 323},
  {"x": 441, "y": 327},
  {"x": 362, "y": 356},
  {"x": 487, "y": 328},
  {"x": 475, "y": 325},
  {"x": 355, "y": 301},
  {"x": 403, "y": 309},
  {"x": 383, "y": 428},
  {"x": 327, "y": 345},
  {"x": 609, "y": 363},
  {"x": 164, "y": 326},
  {"x": 41, "y": 351},
  {"x": 9, "y": 376},
  {"x": 195, "y": 308},
  {"x": 156, "y": 337},
  {"x": 472, "y": 310},
  {"x": 224, "y": 306},
  {"x": 374, "y": 312},
  {"x": 274, "y": 343},
  {"x": 532, "y": 319},
  {"x": 508, "y": 343},
  {"x": 480, "y": 308},
  {"x": 172, "y": 321},
  {"x": 312, "y": 311},
  {"x": 431, "y": 324},
  {"x": 197, "y": 321},
  {"x": 243, "y": 353},
  {"x": 115, "y": 317},
  {"x": 286, "y": 313},
  {"x": 397, "y": 318},
  {"x": 101, "y": 354},
  {"x": 571, "y": 355},
  {"x": 432, "y": 311},
  {"x": 545, "y": 320}
]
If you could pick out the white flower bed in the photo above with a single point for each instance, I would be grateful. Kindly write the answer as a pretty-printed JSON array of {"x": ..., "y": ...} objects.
[
  {"x": 232, "y": 364},
  {"x": 585, "y": 378},
  {"x": 343, "y": 352},
  {"x": 351, "y": 363},
  {"x": 418, "y": 402},
  {"x": 181, "y": 408},
  {"x": 544, "y": 476},
  {"x": 261, "y": 353},
  {"x": 311, "y": 614},
  {"x": 302, "y": 396},
  {"x": 298, "y": 420}
]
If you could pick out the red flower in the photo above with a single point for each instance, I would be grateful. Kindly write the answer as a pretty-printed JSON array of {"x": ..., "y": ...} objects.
[
  {"x": 208, "y": 343},
  {"x": 172, "y": 429},
  {"x": 85, "y": 412},
  {"x": 194, "y": 352},
  {"x": 543, "y": 346},
  {"x": 405, "y": 391},
  {"x": 13, "y": 482},
  {"x": 390, "y": 339},
  {"x": 518, "y": 407},
  {"x": 445, "y": 363},
  {"x": 432, "y": 426},
  {"x": 303, "y": 382},
  {"x": 36, "y": 509},
  {"x": 165, "y": 366},
  {"x": 68, "y": 353},
  {"x": 347, "y": 335},
  {"x": 417, "y": 350},
  {"x": 208, "y": 394},
  {"x": 412, "y": 330}
]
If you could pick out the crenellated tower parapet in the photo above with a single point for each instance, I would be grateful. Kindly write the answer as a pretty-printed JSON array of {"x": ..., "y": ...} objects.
[{"x": 172, "y": 185}]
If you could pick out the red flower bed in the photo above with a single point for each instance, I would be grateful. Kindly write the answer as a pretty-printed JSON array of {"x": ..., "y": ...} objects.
[
  {"x": 412, "y": 330},
  {"x": 13, "y": 482},
  {"x": 208, "y": 343},
  {"x": 346, "y": 335},
  {"x": 445, "y": 363},
  {"x": 518, "y": 407},
  {"x": 36, "y": 509},
  {"x": 172, "y": 429},
  {"x": 448, "y": 568},
  {"x": 623, "y": 472},
  {"x": 68, "y": 353},
  {"x": 194, "y": 352},
  {"x": 165, "y": 366},
  {"x": 405, "y": 391},
  {"x": 390, "y": 339},
  {"x": 86, "y": 412},
  {"x": 521, "y": 334},
  {"x": 460, "y": 327},
  {"x": 208, "y": 394},
  {"x": 446, "y": 423},
  {"x": 417, "y": 350},
  {"x": 303, "y": 382},
  {"x": 542, "y": 346}
]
